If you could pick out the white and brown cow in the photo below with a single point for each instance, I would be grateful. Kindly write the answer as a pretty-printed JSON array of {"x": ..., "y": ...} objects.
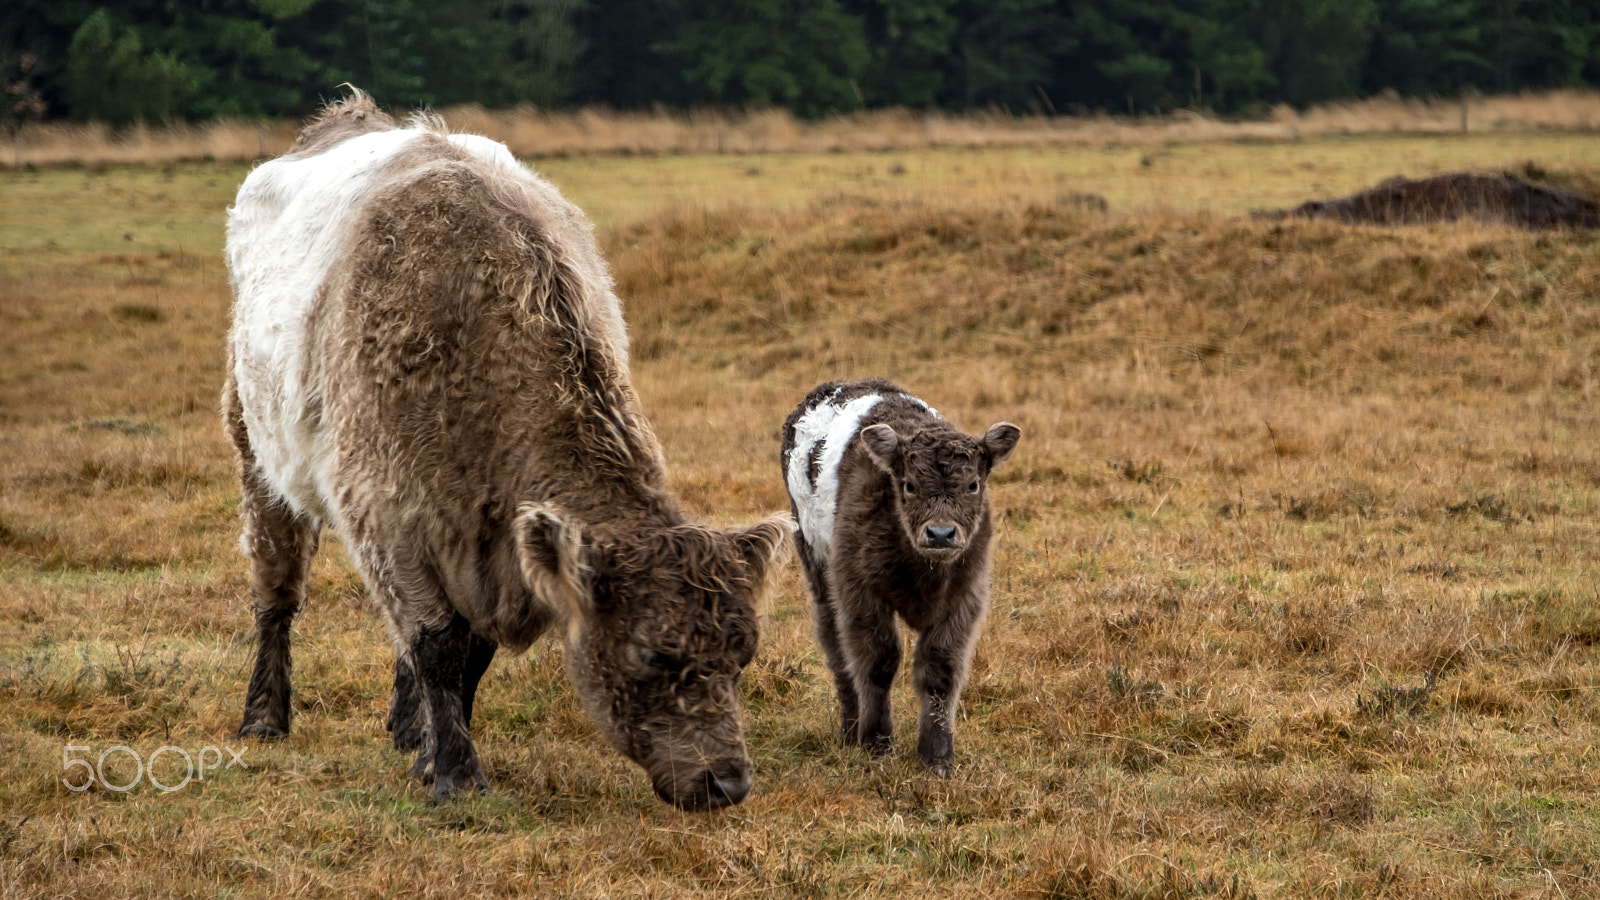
[
  {"x": 428, "y": 357},
  {"x": 894, "y": 520}
]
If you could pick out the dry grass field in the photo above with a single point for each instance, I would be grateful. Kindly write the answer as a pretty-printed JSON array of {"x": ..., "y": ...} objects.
[{"x": 1295, "y": 592}]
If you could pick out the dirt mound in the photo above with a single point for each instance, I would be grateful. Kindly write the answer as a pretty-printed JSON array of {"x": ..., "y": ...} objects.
[{"x": 1505, "y": 197}]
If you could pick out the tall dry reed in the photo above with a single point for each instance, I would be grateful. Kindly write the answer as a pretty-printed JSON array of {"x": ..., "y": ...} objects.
[{"x": 541, "y": 133}]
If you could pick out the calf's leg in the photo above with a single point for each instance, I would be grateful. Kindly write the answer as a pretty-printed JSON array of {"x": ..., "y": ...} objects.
[
  {"x": 872, "y": 646},
  {"x": 833, "y": 652},
  {"x": 939, "y": 669},
  {"x": 280, "y": 545}
]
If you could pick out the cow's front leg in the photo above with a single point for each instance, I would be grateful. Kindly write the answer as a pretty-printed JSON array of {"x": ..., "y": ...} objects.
[
  {"x": 480, "y": 652},
  {"x": 873, "y": 644},
  {"x": 938, "y": 670},
  {"x": 442, "y": 659},
  {"x": 405, "y": 722}
]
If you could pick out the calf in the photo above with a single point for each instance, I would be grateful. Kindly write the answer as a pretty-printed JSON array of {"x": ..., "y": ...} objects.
[
  {"x": 427, "y": 355},
  {"x": 893, "y": 509}
]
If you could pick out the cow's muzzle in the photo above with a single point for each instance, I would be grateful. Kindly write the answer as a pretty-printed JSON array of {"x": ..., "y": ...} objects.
[{"x": 709, "y": 789}]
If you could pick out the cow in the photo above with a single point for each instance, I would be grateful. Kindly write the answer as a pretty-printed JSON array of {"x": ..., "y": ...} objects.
[
  {"x": 893, "y": 513},
  {"x": 427, "y": 356}
]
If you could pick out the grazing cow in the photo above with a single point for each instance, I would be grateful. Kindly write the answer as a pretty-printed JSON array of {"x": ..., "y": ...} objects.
[
  {"x": 428, "y": 357},
  {"x": 893, "y": 507}
]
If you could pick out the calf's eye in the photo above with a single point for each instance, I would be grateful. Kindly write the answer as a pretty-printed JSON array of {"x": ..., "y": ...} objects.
[
  {"x": 973, "y": 487},
  {"x": 911, "y": 488}
]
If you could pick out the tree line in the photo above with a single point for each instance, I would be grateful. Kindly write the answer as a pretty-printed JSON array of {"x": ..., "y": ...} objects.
[{"x": 154, "y": 60}]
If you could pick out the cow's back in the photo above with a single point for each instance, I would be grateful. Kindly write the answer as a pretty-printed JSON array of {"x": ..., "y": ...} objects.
[{"x": 356, "y": 264}]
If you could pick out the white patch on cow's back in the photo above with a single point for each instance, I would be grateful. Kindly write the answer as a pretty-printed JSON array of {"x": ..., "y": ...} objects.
[
  {"x": 835, "y": 426},
  {"x": 485, "y": 149}
]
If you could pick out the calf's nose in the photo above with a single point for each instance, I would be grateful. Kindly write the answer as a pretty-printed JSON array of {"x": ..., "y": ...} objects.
[{"x": 939, "y": 535}]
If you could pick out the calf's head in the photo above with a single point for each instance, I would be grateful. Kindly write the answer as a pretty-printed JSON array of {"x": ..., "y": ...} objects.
[
  {"x": 659, "y": 627},
  {"x": 940, "y": 478}
]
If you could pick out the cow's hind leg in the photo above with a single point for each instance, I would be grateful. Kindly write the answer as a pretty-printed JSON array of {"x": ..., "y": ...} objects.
[
  {"x": 447, "y": 660},
  {"x": 832, "y": 650},
  {"x": 405, "y": 707},
  {"x": 280, "y": 545}
]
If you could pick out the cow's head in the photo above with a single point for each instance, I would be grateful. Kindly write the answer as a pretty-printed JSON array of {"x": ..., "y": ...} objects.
[
  {"x": 940, "y": 479},
  {"x": 659, "y": 627}
]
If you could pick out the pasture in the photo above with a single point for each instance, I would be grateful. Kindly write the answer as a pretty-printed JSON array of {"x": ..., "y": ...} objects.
[{"x": 1295, "y": 564}]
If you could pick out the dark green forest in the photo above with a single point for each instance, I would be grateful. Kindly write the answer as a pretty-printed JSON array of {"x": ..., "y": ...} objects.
[{"x": 162, "y": 60}]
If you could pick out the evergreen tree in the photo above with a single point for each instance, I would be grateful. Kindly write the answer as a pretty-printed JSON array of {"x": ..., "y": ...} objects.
[
  {"x": 1541, "y": 43},
  {"x": 1317, "y": 48},
  {"x": 808, "y": 56},
  {"x": 1229, "y": 67},
  {"x": 36, "y": 34},
  {"x": 1149, "y": 56},
  {"x": 127, "y": 60},
  {"x": 1002, "y": 52},
  {"x": 545, "y": 47},
  {"x": 909, "y": 42},
  {"x": 1424, "y": 47},
  {"x": 626, "y": 61},
  {"x": 111, "y": 77},
  {"x": 234, "y": 46}
]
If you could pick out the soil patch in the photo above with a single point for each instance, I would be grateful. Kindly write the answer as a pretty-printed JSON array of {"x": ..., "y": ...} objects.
[{"x": 1504, "y": 197}]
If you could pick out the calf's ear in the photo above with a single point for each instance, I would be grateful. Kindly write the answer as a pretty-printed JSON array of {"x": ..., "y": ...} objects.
[
  {"x": 882, "y": 445},
  {"x": 764, "y": 546},
  {"x": 1000, "y": 440},
  {"x": 555, "y": 561}
]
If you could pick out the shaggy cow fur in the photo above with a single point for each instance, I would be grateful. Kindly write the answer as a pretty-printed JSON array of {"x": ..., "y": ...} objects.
[
  {"x": 427, "y": 356},
  {"x": 894, "y": 520}
]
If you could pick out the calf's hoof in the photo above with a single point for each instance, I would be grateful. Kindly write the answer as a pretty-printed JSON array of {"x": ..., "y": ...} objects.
[
  {"x": 879, "y": 744},
  {"x": 938, "y": 768}
]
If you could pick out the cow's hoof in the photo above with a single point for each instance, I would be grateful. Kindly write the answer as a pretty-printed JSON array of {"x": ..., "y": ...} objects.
[
  {"x": 938, "y": 768},
  {"x": 263, "y": 731},
  {"x": 445, "y": 789},
  {"x": 405, "y": 729},
  {"x": 879, "y": 744}
]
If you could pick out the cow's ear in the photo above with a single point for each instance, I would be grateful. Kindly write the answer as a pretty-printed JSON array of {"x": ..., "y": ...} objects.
[
  {"x": 882, "y": 445},
  {"x": 1000, "y": 440},
  {"x": 764, "y": 546},
  {"x": 555, "y": 561}
]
